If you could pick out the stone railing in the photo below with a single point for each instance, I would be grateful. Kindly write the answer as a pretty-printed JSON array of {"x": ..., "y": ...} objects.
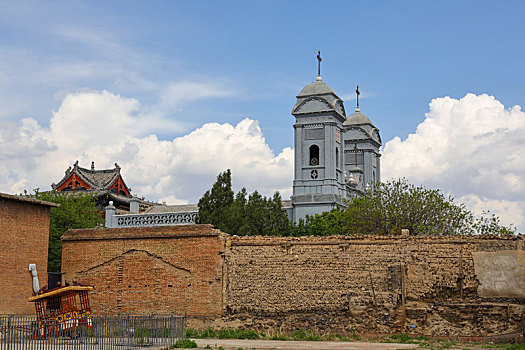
[{"x": 141, "y": 220}]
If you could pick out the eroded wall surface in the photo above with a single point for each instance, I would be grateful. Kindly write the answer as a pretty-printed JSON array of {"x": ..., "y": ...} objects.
[{"x": 432, "y": 285}]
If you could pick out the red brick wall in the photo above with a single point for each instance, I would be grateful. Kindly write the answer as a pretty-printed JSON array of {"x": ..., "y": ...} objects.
[
  {"x": 172, "y": 269},
  {"x": 24, "y": 238}
]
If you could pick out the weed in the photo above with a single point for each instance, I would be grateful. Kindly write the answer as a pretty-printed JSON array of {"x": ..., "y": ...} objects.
[
  {"x": 516, "y": 346},
  {"x": 184, "y": 344},
  {"x": 401, "y": 338},
  {"x": 447, "y": 344},
  {"x": 306, "y": 335},
  {"x": 227, "y": 333},
  {"x": 422, "y": 337},
  {"x": 277, "y": 336}
]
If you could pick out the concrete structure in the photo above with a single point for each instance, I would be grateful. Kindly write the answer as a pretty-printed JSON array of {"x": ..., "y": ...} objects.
[
  {"x": 443, "y": 285},
  {"x": 336, "y": 157},
  {"x": 24, "y": 239},
  {"x": 159, "y": 215}
]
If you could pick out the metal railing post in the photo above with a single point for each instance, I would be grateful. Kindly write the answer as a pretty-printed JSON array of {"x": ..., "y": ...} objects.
[{"x": 8, "y": 331}]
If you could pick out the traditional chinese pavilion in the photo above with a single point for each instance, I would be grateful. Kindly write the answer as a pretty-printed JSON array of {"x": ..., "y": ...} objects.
[{"x": 107, "y": 184}]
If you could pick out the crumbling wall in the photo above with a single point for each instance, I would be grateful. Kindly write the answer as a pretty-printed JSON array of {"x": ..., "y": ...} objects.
[
  {"x": 464, "y": 286},
  {"x": 148, "y": 270},
  {"x": 438, "y": 285}
]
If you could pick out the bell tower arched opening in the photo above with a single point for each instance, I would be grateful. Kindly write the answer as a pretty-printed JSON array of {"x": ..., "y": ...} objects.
[{"x": 314, "y": 155}]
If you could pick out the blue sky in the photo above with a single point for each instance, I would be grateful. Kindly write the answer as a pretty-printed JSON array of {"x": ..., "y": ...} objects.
[{"x": 188, "y": 63}]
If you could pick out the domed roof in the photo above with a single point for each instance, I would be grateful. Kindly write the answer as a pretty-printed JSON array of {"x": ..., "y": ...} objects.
[
  {"x": 318, "y": 87},
  {"x": 357, "y": 118},
  {"x": 318, "y": 97}
]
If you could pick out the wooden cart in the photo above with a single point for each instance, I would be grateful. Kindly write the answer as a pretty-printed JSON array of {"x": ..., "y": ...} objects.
[{"x": 62, "y": 310}]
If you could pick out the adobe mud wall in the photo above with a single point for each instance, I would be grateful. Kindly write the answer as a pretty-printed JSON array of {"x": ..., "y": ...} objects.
[
  {"x": 24, "y": 237},
  {"x": 148, "y": 270},
  {"x": 432, "y": 285}
]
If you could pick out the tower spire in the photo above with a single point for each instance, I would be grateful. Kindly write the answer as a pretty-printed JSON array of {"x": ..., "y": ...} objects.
[
  {"x": 319, "y": 59},
  {"x": 357, "y": 93}
]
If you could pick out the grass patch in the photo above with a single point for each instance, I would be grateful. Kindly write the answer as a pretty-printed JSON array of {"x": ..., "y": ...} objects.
[
  {"x": 227, "y": 333},
  {"x": 184, "y": 344},
  {"x": 300, "y": 335},
  {"x": 306, "y": 335},
  {"x": 447, "y": 344},
  {"x": 403, "y": 338}
]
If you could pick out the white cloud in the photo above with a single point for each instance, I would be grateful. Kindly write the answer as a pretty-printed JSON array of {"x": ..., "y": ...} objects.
[
  {"x": 176, "y": 93},
  {"x": 472, "y": 148},
  {"x": 109, "y": 128},
  {"x": 508, "y": 211}
]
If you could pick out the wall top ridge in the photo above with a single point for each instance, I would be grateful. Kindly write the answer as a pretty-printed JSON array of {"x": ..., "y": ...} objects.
[
  {"x": 178, "y": 231},
  {"x": 365, "y": 239}
]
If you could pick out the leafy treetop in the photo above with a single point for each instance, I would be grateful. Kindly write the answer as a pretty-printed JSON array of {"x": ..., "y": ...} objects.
[{"x": 76, "y": 211}]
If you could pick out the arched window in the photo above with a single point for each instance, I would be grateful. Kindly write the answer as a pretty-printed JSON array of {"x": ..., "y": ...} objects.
[
  {"x": 314, "y": 155},
  {"x": 337, "y": 157}
]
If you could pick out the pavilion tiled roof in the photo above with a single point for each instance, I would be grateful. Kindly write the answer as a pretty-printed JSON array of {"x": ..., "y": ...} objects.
[{"x": 96, "y": 179}]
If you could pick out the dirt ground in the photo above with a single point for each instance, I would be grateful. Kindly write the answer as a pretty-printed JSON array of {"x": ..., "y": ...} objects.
[
  {"x": 245, "y": 344},
  {"x": 289, "y": 345}
]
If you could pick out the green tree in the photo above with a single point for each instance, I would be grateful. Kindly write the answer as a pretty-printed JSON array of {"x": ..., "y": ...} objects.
[
  {"x": 389, "y": 207},
  {"x": 278, "y": 223},
  {"x": 243, "y": 214},
  {"x": 215, "y": 204},
  {"x": 76, "y": 211},
  {"x": 325, "y": 224},
  {"x": 237, "y": 224}
]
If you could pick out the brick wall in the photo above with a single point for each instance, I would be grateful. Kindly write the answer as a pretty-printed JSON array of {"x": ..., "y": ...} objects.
[
  {"x": 24, "y": 238},
  {"x": 148, "y": 270},
  {"x": 451, "y": 285}
]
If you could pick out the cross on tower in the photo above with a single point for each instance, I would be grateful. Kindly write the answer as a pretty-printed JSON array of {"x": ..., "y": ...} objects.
[
  {"x": 358, "y": 93},
  {"x": 319, "y": 59}
]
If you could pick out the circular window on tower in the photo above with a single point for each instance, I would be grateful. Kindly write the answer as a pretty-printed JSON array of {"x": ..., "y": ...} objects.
[{"x": 314, "y": 174}]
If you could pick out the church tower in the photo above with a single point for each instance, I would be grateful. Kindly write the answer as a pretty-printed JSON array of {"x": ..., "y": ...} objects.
[
  {"x": 319, "y": 183},
  {"x": 335, "y": 157},
  {"x": 361, "y": 143}
]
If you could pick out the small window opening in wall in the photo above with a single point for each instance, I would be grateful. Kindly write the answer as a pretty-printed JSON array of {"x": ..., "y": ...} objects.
[
  {"x": 337, "y": 157},
  {"x": 170, "y": 285},
  {"x": 314, "y": 155}
]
